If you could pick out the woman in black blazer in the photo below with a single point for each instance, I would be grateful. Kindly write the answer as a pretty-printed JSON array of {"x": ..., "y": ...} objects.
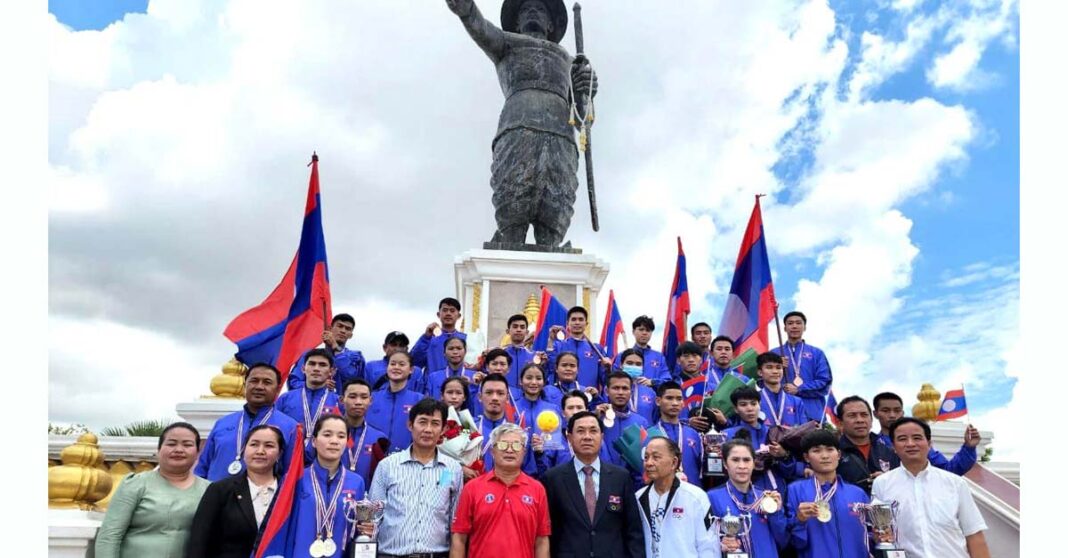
[{"x": 230, "y": 514}]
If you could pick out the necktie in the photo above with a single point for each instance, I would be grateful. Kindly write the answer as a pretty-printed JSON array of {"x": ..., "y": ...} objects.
[{"x": 591, "y": 492}]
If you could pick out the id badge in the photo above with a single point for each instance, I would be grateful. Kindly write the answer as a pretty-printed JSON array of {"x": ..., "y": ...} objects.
[{"x": 445, "y": 479}]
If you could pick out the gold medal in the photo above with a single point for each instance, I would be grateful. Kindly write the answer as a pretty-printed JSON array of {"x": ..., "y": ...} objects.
[
  {"x": 798, "y": 381},
  {"x": 823, "y": 511},
  {"x": 609, "y": 418},
  {"x": 768, "y": 504},
  {"x": 560, "y": 335},
  {"x": 316, "y": 548},
  {"x": 536, "y": 359},
  {"x": 437, "y": 331},
  {"x": 329, "y": 547}
]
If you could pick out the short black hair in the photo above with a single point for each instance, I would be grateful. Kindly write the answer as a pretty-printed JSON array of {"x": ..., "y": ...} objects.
[
  {"x": 818, "y": 437},
  {"x": 572, "y": 394},
  {"x": 578, "y": 310},
  {"x": 851, "y": 399},
  {"x": 643, "y": 321},
  {"x": 638, "y": 352},
  {"x": 528, "y": 366},
  {"x": 618, "y": 375},
  {"x": 797, "y": 313},
  {"x": 736, "y": 442},
  {"x": 174, "y": 425},
  {"x": 493, "y": 378},
  {"x": 910, "y": 420},
  {"x": 744, "y": 394},
  {"x": 449, "y": 301},
  {"x": 281, "y": 438},
  {"x": 343, "y": 317},
  {"x": 405, "y": 353},
  {"x": 267, "y": 365},
  {"x": 325, "y": 417},
  {"x": 320, "y": 352},
  {"x": 462, "y": 340},
  {"x": 694, "y": 327},
  {"x": 768, "y": 358},
  {"x": 355, "y": 382},
  {"x": 563, "y": 354},
  {"x": 670, "y": 384},
  {"x": 464, "y": 383},
  {"x": 497, "y": 352},
  {"x": 517, "y": 318},
  {"x": 430, "y": 407},
  {"x": 722, "y": 338},
  {"x": 581, "y": 415},
  {"x": 688, "y": 348},
  {"x": 884, "y": 396}
]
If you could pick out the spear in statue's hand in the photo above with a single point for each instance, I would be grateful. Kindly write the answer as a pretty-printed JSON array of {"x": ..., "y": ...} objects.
[{"x": 587, "y": 122}]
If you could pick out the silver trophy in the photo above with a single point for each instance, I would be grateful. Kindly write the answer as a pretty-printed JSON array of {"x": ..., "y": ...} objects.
[
  {"x": 882, "y": 519},
  {"x": 713, "y": 443},
  {"x": 365, "y": 511},
  {"x": 736, "y": 527}
]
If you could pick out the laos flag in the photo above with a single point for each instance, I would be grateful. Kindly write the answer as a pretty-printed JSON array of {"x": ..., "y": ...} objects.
[
  {"x": 693, "y": 391},
  {"x": 277, "y": 538},
  {"x": 292, "y": 318},
  {"x": 613, "y": 327},
  {"x": 751, "y": 302},
  {"x": 678, "y": 309},
  {"x": 953, "y": 405},
  {"x": 552, "y": 312}
]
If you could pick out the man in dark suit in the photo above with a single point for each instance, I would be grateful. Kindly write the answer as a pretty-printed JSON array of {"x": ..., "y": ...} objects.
[{"x": 591, "y": 503}]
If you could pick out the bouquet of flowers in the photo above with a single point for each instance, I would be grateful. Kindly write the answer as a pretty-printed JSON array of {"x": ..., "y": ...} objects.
[{"x": 461, "y": 440}]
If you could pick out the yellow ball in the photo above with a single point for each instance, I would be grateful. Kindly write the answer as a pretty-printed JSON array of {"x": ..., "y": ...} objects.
[{"x": 548, "y": 421}]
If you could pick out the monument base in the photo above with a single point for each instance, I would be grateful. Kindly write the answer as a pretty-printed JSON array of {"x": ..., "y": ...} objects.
[
  {"x": 72, "y": 532},
  {"x": 203, "y": 412},
  {"x": 496, "y": 284},
  {"x": 524, "y": 247}
]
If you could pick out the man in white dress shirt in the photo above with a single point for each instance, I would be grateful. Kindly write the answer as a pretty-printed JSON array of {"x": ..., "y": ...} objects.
[{"x": 937, "y": 517}]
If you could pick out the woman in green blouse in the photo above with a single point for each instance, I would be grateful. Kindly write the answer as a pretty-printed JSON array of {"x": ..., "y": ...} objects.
[{"x": 151, "y": 512}]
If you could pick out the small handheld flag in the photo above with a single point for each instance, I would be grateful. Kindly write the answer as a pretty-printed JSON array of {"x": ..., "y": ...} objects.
[
  {"x": 830, "y": 410},
  {"x": 613, "y": 327},
  {"x": 678, "y": 308},
  {"x": 953, "y": 405},
  {"x": 693, "y": 391},
  {"x": 552, "y": 312}
]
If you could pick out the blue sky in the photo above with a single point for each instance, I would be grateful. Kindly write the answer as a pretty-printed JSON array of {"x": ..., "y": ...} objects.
[{"x": 964, "y": 224}]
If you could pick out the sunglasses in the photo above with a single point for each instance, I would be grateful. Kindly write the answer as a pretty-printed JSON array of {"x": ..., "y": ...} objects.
[{"x": 503, "y": 446}]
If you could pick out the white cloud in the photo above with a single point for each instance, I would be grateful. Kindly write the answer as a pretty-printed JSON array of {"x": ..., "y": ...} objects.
[
  {"x": 970, "y": 33},
  {"x": 880, "y": 59}
]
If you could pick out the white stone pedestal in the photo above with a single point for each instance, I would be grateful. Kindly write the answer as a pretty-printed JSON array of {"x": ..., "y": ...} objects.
[
  {"x": 495, "y": 284},
  {"x": 203, "y": 412},
  {"x": 72, "y": 532},
  {"x": 947, "y": 437}
]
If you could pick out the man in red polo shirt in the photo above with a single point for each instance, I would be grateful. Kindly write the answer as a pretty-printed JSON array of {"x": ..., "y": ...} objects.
[{"x": 503, "y": 512}]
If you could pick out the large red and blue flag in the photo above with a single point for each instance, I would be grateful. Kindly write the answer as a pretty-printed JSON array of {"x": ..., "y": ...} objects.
[
  {"x": 613, "y": 327},
  {"x": 551, "y": 312},
  {"x": 290, "y": 320},
  {"x": 751, "y": 302},
  {"x": 678, "y": 308},
  {"x": 953, "y": 405},
  {"x": 276, "y": 538}
]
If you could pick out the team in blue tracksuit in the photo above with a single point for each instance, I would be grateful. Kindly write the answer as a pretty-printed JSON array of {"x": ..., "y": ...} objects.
[
  {"x": 527, "y": 410},
  {"x": 345, "y": 485},
  {"x": 520, "y": 357},
  {"x": 815, "y": 375},
  {"x": 767, "y": 533},
  {"x": 643, "y": 402},
  {"x": 555, "y": 392},
  {"x": 654, "y": 366},
  {"x": 961, "y": 463},
  {"x": 389, "y": 414},
  {"x": 590, "y": 370},
  {"x": 714, "y": 375},
  {"x": 348, "y": 364},
  {"x": 429, "y": 351},
  {"x": 780, "y": 408},
  {"x": 437, "y": 378},
  {"x": 316, "y": 402},
  {"x": 485, "y": 426},
  {"x": 224, "y": 443},
  {"x": 375, "y": 374},
  {"x": 787, "y": 467},
  {"x": 613, "y": 433},
  {"x": 359, "y": 450},
  {"x": 693, "y": 450},
  {"x": 844, "y": 536}
]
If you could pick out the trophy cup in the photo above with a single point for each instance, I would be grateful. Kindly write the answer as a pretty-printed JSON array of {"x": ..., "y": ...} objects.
[
  {"x": 882, "y": 518},
  {"x": 549, "y": 424},
  {"x": 365, "y": 511},
  {"x": 713, "y": 442},
  {"x": 737, "y": 528}
]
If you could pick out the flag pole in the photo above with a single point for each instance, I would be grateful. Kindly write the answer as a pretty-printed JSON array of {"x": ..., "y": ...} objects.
[{"x": 775, "y": 302}]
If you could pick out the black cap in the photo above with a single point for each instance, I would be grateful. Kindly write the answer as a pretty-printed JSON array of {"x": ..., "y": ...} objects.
[{"x": 396, "y": 337}]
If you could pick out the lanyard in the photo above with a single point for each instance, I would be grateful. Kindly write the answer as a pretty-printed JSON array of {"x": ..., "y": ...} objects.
[
  {"x": 310, "y": 419},
  {"x": 771, "y": 406},
  {"x": 795, "y": 358},
  {"x": 677, "y": 440},
  {"x": 822, "y": 496},
  {"x": 324, "y": 516},
  {"x": 241, "y": 430},
  {"x": 359, "y": 449},
  {"x": 745, "y": 508}
]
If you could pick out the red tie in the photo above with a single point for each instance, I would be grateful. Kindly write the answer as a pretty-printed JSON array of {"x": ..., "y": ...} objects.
[{"x": 591, "y": 496}]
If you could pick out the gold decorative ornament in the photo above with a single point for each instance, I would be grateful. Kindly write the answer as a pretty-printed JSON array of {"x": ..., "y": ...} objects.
[
  {"x": 476, "y": 306},
  {"x": 531, "y": 310},
  {"x": 927, "y": 408},
  {"x": 79, "y": 483},
  {"x": 230, "y": 384},
  {"x": 586, "y": 305}
]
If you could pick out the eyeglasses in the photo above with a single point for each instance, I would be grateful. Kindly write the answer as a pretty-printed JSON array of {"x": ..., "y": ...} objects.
[{"x": 503, "y": 446}]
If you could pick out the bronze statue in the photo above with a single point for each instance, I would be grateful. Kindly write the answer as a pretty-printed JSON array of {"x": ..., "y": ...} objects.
[{"x": 535, "y": 156}]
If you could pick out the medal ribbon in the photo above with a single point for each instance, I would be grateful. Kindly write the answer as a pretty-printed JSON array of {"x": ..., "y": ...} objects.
[
  {"x": 795, "y": 359},
  {"x": 677, "y": 440},
  {"x": 309, "y": 419},
  {"x": 241, "y": 430},
  {"x": 746, "y": 508},
  {"x": 353, "y": 459},
  {"x": 324, "y": 516},
  {"x": 771, "y": 406},
  {"x": 820, "y": 495}
]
